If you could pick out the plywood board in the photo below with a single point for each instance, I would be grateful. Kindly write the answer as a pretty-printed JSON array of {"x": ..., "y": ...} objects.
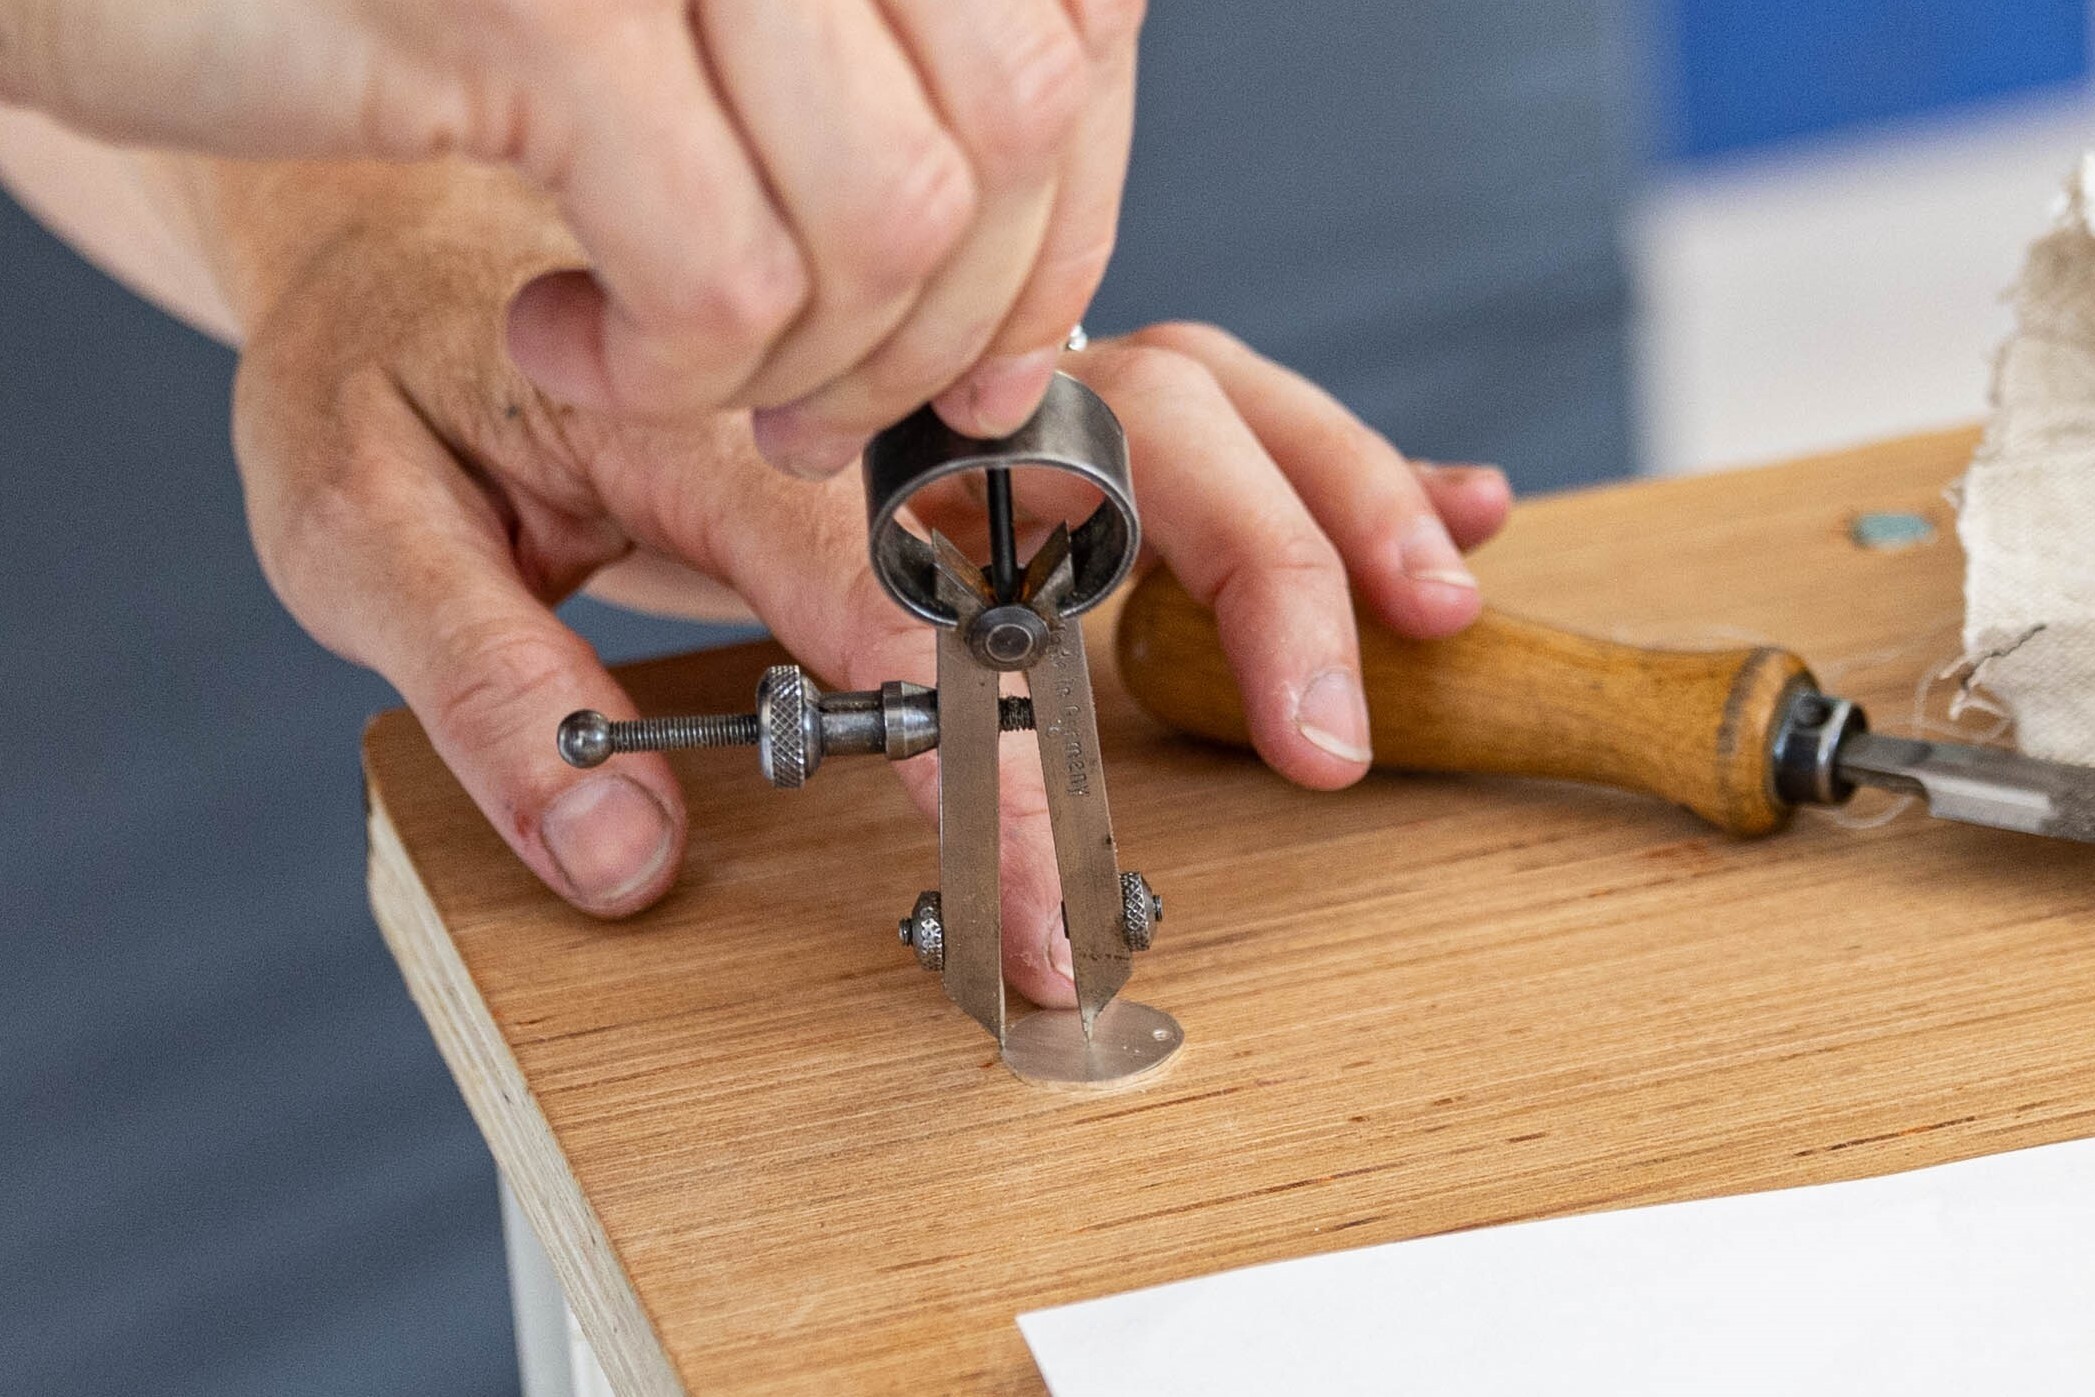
[{"x": 767, "y": 1155}]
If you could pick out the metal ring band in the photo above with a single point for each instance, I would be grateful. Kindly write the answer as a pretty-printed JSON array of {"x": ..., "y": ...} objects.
[{"x": 1074, "y": 431}]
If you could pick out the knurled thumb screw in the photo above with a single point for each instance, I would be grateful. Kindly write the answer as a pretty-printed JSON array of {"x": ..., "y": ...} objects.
[{"x": 795, "y": 726}]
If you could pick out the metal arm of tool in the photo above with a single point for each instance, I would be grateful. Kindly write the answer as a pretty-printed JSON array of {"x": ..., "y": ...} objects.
[{"x": 1012, "y": 619}]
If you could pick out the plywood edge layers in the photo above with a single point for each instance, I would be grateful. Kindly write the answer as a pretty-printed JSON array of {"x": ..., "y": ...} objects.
[{"x": 517, "y": 1132}]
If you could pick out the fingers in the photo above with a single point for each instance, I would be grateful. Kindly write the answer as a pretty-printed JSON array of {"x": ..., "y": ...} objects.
[
  {"x": 878, "y": 191},
  {"x": 1009, "y": 78},
  {"x": 829, "y": 210},
  {"x": 1382, "y": 516},
  {"x": 395, "y": 559},
  {"x": 1001, "y": 392},
  {"x": 697, "y": 273},
  {"x": 798, "y": 556},
  {"x": 1235, "y": 532}
]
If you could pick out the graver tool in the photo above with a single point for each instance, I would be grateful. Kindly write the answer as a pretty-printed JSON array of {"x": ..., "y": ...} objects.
[
  {"x": 1740, "y": 737},
  {"x": 1002, "y": 617}
]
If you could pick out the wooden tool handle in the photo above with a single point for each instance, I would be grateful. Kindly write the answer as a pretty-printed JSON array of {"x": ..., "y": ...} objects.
[{"x": 1513, "y": 698}]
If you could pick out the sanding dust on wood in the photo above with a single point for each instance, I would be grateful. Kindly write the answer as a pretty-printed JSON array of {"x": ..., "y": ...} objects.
[{"x": 2027, "y": 518}]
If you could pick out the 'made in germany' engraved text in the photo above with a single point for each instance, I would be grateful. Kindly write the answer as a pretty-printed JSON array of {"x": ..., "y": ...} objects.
[{"x": 1068, "y": 726}]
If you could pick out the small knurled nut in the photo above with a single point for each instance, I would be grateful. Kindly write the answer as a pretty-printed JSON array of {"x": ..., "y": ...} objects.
[
  {"x": 1140, "y": 911},
  {"x": 783, "y": 691},
  {"x": 925, "y": 929}
]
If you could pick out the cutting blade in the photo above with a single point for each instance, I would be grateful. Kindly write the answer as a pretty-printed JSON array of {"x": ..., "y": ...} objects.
[{"x": 1978, "y": 785}]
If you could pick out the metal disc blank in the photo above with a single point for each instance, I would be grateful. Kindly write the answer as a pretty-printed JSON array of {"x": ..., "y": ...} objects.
[{"x": 1128, "y": 1041}]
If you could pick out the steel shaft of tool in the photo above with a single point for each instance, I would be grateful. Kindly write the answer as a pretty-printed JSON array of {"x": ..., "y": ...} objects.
[
  {"x": 1977, "y": 785},
  {"x": 1003, "y": 536}
]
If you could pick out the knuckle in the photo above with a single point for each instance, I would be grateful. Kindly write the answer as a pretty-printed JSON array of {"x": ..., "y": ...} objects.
[
  {"x": 1109, "y": 23},
  {"x": 1148, "y": 371},
  {"x": 308, "y": 549},
  {"x": 1336, "y": 437},
  {"x": 488, "y": 675},
  {"x": 322, "y": 498},
  {"x": 753, "y": 297},
  {"x": 1029, "y": 101},
  {"x": 917, "y": 215},
  {"x": 1301, "y": 555},
  {"x": 1194, "y": 338},
  {"x": 1280, "y": 561}
]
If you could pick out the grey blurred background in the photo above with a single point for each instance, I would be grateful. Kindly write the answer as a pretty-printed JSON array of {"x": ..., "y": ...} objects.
[{"x": 230, "y": 1159}]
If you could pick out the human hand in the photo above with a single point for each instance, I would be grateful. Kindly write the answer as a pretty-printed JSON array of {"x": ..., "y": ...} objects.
[
  {"x": 420, "y": 507},
  {"x": 828, "y": 210}
]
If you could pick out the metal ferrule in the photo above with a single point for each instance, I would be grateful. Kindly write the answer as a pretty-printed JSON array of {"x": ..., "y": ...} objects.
[
  {"x": 908, "y": 719},
  {"x": 1806, "y": 755}
]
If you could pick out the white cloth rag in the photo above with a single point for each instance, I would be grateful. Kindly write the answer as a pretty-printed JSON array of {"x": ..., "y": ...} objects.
[{"x": 2027, "y": 517}]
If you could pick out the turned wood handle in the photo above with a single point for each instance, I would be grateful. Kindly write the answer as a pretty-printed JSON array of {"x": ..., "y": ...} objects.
[{"x": 1513, "y": 698}]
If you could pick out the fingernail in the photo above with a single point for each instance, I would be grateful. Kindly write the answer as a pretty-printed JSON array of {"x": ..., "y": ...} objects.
[
  {"x": 1060, "y": 958},
  {"x": 1333, "y": 714},
  {"x": 1001, "y": 393},
  {"x": 799, "y": 447},
  {"x": 609, "y": 836},
  {"x": 1429, "y": 555}
]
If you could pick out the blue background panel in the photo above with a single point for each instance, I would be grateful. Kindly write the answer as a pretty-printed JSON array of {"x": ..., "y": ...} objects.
[{"x": 1751, "y": 73}]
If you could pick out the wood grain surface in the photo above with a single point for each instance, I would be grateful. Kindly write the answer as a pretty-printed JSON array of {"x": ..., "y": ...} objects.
[{"x": 767, "y": 1154}]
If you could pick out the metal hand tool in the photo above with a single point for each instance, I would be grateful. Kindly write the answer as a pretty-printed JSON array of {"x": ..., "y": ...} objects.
[
  {"x": 1741, "y": 737},
  {"x": 994, "y": 618}
]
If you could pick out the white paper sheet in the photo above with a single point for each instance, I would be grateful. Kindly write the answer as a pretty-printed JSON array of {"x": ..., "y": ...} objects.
[{"x": 1970, "y": 1278}]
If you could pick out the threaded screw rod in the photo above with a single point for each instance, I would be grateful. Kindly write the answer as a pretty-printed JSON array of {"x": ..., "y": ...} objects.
[
  {"x": 588, "y": 738},
  {"x": 700, "y": 730}
]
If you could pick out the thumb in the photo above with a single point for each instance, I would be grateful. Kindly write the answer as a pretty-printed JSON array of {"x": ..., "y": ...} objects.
[
  {"x": 491, "y": 684},
  {"x": 397, "y": 561}
]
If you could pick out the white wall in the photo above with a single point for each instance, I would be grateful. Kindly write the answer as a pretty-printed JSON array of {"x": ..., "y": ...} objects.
[{"x": 1841, "y": 291}]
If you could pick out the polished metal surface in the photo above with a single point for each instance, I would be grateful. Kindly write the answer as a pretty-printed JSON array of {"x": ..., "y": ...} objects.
[
  {"x": 969, "y": 825},
  {"x": 1978, "y": 785},
  {"x": 1074, "y": 431},
  {"x": 1066, "y": 728},
  {"x": 1127, "y": 1043},
  {"x": 908, "y": 720},
  {"x": 587, "y": 738}
]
